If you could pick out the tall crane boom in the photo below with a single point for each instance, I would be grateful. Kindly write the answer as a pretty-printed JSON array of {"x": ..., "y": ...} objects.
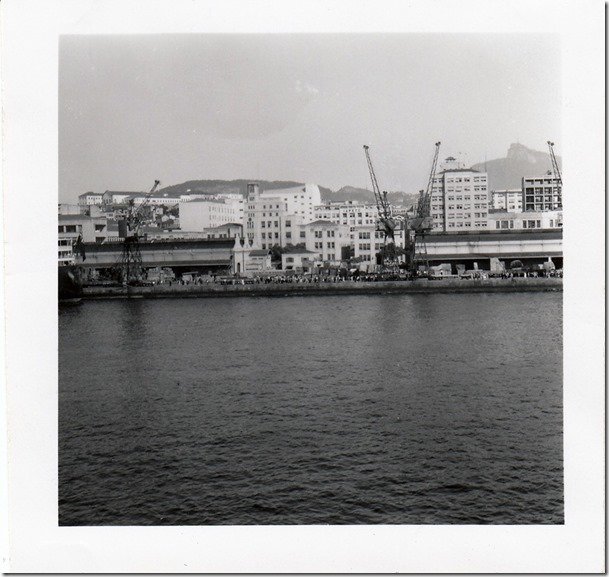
[
  {"x": 135, "y": 216},
  {"x": 422, "y": 221},
  {"x": 386, "y": 222},
  {"x": 423, "y": 210},
  {"x": 555, "y": 168},
  {"x": 130, "y": 266},
  {"x": 382, "y": 204}
]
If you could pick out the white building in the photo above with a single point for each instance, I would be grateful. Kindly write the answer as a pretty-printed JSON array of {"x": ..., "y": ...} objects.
[
  {"x": 510, "y": 200},
  {"x": 89, "y": 198},
  {"x": 459, "y": 199},
  {"x": 350, "y": 212},
  {"x": 300, "y": 260},
  {"x": 327, "y": 240},
  {"x": 274, "y": 217},
  {"x": 506, "y": 220},
  {"x": 198, "y": 215}
]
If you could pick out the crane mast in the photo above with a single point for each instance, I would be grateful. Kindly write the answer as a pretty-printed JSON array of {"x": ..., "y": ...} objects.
[
  {"x": 422, "y": 221},
  {"x": 129, "y": 228},
  {"x": 555, "y": 169},
  {"x": 386, "y": 223}
]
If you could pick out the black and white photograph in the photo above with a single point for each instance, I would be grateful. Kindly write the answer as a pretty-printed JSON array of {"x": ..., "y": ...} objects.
[{"x": 316, "y": 301}]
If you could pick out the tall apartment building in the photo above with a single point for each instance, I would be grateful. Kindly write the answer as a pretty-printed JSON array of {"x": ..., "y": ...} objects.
[
  {"x": 542, "y": 193},
  {"x": 275, "y": 216},
  {"x": 459, "y": 199}
]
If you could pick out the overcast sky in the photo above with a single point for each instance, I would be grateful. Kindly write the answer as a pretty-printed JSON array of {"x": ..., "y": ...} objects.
[{"x": 137, "y": 108}]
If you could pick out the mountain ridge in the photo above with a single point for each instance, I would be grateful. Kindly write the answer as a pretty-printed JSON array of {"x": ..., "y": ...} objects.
[{"x": 503, "y": 173}]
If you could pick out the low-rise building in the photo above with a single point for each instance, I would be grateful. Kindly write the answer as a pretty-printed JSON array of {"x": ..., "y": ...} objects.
[
  {"x": 300, "y": 260},
  {"x": 90, "y": 198},
  {"x": 92, "y": 229},
  {"x": 506, "y": 220}
]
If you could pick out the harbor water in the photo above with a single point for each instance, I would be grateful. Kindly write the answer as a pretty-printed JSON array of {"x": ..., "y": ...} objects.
[{"x": 393, "y": 409}]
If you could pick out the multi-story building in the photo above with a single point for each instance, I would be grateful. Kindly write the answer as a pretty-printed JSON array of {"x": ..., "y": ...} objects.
[
  {"x": 89, "y": 198},
  {"x": 542, "y": 193},
  {"x": 197, "y": 215},
  {"x": 459, "y": 199},
  {"x": 327, "y": 240},
  {"x": 367, "y": 242},
  {"x": 510, "y": 200},
  {"x": 274, "y": 217},
  {"x": 92, "y": 229},
  {"x": 350, "y": 212},
  {"x": 65, "y": 252}
]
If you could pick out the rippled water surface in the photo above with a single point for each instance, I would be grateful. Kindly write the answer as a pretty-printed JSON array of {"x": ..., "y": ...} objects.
[{"x": 407, "y": 409}]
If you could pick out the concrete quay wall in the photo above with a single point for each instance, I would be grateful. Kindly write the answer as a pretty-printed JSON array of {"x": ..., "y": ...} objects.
[{"x": 339, "y": 288}]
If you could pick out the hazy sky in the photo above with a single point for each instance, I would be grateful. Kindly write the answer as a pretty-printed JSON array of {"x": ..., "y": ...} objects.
[{"x": 137, "y": 108}]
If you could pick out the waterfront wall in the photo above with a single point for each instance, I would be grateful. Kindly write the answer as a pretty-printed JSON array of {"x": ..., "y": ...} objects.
[{"x": 334, "y": 288}]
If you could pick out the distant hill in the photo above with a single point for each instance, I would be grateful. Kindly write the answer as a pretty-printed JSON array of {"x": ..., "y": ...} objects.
[
  {"x": 505, "y": 173},
  {"x": 229, "y": 186},
  {"x": 396, "y": 198}
]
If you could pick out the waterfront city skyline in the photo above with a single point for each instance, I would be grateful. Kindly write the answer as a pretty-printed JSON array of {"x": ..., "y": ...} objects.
[{"x": 296, "y": 107}]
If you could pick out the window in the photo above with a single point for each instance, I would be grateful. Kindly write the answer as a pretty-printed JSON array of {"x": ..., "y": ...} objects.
[
  {"x": 289, "y": 259},
  {"x": 303, "y": 234},
  {"x": 288, "y": 223}
]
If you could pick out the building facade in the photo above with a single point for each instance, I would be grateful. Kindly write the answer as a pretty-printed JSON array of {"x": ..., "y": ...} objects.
[
  {"x": 542, "y": 193},
  {"x": 198, "y": 215},
  {"x": 505, "y": 220},
  {"x": 510, "y": 200},
  {"x": 459, "y": 199},
  {"x": 326, "y": 240},
  {"x": 274, "y": 217},
  {"x": 90, "y": 198}
]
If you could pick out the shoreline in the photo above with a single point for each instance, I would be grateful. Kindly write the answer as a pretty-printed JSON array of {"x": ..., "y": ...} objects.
[{"x": 421, "y": 286}]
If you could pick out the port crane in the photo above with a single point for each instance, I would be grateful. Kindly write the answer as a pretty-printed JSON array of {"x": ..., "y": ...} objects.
[
  {"x": 386, "y": 222},
  {"x": 130, "y": 266},
  {"x": 555, "y": 169},
  {"x": 422, "y": 221}
]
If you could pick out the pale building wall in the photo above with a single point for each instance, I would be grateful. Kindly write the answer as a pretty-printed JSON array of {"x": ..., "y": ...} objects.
[
  {"x": 326, "y": 240},
  {"x": 459, "y": 200},
  {"x": 525, "y": 220},
  {"x": 198, "y": 215},
  {"x": 274, "y": 217},
  {"x": 510, "y": 200}
]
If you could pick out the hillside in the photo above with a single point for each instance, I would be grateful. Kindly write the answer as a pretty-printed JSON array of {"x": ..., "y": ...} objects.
[
  {"x": 240, "y": 187},
  {"x": 229, "y": 186},
  {"x": 505, "y": 173}
]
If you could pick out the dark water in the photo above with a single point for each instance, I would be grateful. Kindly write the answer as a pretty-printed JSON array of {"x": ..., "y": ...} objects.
[{"x": 408, "y": 409}]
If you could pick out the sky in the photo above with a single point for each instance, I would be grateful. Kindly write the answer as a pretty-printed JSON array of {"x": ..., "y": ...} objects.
[{"x": 179, "y": 107}]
